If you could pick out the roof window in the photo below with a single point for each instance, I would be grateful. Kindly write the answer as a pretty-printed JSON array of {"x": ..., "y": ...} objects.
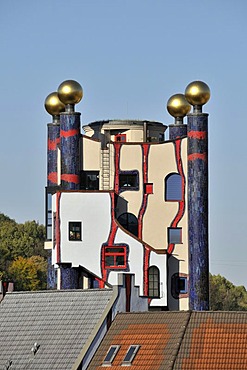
[
  {"x": 113, "y": 350},
  {"x": 130, "y": 355}
]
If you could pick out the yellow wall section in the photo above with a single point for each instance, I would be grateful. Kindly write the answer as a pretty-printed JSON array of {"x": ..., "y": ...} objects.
[
  {"x": 91, "y": 155},
  {"x": 131, "y": 159}
]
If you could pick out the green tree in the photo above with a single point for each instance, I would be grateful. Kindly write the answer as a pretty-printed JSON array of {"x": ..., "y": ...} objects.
[
  {"x": 225, "y": 296},
  {"x": 20, "y": 240},
  {"x": 28, "y": 273}
]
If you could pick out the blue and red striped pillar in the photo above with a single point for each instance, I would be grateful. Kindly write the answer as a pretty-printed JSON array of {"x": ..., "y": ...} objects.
[
  {"x": 69, "y": 144},
  {"x": 198, "y": 211},
  {"x": 53, "y": 140},
  {"x": 197, "y": 132}
]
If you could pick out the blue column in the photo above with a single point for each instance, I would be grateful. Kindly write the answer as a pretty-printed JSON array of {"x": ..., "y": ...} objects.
[
  {"x": 198, "y": 211},
  {"x": 70, "y": 140},
  {"x": 53, "y": 140},
  {"x": 177, "y": 131},
  {"x": 69, "y": 277}
]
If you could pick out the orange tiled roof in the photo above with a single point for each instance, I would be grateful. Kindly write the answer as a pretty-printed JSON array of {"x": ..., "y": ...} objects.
[
  {"x": 178, "y": 341},
  {"x": 157, "y": 334},
  {"x": 214, "y": 341}
]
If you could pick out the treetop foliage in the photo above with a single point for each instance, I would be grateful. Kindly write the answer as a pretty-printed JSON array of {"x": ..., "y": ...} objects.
[
  {"x": 25, "y": 241},
  {"x": 225, "y": 296}
]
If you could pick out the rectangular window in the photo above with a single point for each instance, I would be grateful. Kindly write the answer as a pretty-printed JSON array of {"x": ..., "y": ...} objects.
[
  {"x": 148, "y": 188},
  {"x": 175, "y": 235},
  {"x": 110, "y": 355},
  {"x": 128, "y": 180},
  {"x": 181, "y": 285},
  {"x": 48, "y": 219},
  {"x": 129, "y": 357},
  {"x": 75, "y": 233},
  {"x": 115, "y": 257},
  {"x": 89, "y": 180}
]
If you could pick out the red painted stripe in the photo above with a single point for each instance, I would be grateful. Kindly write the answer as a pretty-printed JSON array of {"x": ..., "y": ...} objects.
[
  {"x": 197, "y": 135},
  {"x": 70, "y": 178},
  {"x": 69, "y": 133},
  {"x": 52, "y": 177},
  {"x": 110, "y": 241},
  {"x": 52, "y": 144},
  {"x": 202, "y": 156},
  {"x": 145, "y": 148},
  {"x": 58, "y": 251},
  {"x": 145, "y": 270}
]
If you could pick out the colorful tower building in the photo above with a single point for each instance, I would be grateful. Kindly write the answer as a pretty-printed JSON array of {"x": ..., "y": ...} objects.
[{"x": 122, "y": 204}]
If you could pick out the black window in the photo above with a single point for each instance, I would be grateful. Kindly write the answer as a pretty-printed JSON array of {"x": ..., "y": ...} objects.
[
  {"x": 89, "y": 180},
  {"x": 173, "y": 187},
  {"x": 129, "y": 222},
  {"x": 181, "y": 285},
  {"x": 129, "y": 357},
  {"x": 75, "y": 231},
  {"x": 175, "y": 235},
  {"x": 128, "y": 180},
  {"x": 110, "y": 355},
  {"x": 153, "y": 282}
]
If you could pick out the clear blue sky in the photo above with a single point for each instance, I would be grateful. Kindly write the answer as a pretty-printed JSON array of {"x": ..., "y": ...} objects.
[{"x": 130, "y": 56}]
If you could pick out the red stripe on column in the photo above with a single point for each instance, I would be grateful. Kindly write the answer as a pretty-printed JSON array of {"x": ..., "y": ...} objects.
[
  {"x": 69, "y": 133},
  {"x": 70, "y": 178},
  {"x": 52, "y": 177},
  {"x": 202, "y": 156},
  {"x": 197, "y": 135},
  {"x": 52, "y": 144}
]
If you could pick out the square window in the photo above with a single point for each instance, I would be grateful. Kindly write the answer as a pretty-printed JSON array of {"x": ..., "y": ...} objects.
[
  {"x": 175, "y": 235},
  {"x": 75, "y": 233},
  {"x": 128, "y": 180},
  {"x": 148, "y": 188},
  {"x": 115, "y": 257}
]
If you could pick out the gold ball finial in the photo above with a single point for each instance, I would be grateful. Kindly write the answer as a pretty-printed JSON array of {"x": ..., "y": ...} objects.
[
  {"x": 197, "y": 93},
  {"x": 53, "y": 104},
  {"x": 178, "y": 106},
  {"x": 70, "y": 92}
]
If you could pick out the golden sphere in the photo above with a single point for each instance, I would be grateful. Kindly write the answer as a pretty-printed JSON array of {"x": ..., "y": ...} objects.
[
  {"x": 53, "y": 105},
  {"x": 197, "y": 93},
  {"x": 70, "y": 92},
  {"x": 178, "y": 106}
]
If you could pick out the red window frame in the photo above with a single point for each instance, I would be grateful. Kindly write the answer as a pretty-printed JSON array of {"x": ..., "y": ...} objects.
[
  {"x": 120, "y": 138},
  {"x": 110, "y": 251}
]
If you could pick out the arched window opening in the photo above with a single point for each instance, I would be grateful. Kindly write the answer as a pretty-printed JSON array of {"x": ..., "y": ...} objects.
[
  {"x": 173, "y": 187},
  {"x": 153, "y": 282},
  {"x": 129, "y": 222}
]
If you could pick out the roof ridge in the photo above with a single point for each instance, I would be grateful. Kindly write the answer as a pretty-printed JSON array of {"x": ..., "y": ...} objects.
[
  {"x": 28, "y": 292},
  {"x": 181, "y": 337}
]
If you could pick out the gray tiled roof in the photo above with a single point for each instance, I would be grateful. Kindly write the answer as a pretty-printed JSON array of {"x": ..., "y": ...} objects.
[{"x": 59, "y": 321}]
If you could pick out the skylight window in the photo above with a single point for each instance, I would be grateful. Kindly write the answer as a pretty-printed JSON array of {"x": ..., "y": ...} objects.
[
  {"x": 113, "y": 350},
  {"x": 130, "y": 355}
]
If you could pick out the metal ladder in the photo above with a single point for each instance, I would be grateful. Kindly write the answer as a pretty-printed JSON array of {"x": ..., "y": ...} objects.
[{"x": 105, "y": 169}]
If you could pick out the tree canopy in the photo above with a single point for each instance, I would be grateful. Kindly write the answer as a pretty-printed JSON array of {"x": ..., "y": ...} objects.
[
  {"x": 22, "y": 254},
  {"x": 225, "y": 296}
]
